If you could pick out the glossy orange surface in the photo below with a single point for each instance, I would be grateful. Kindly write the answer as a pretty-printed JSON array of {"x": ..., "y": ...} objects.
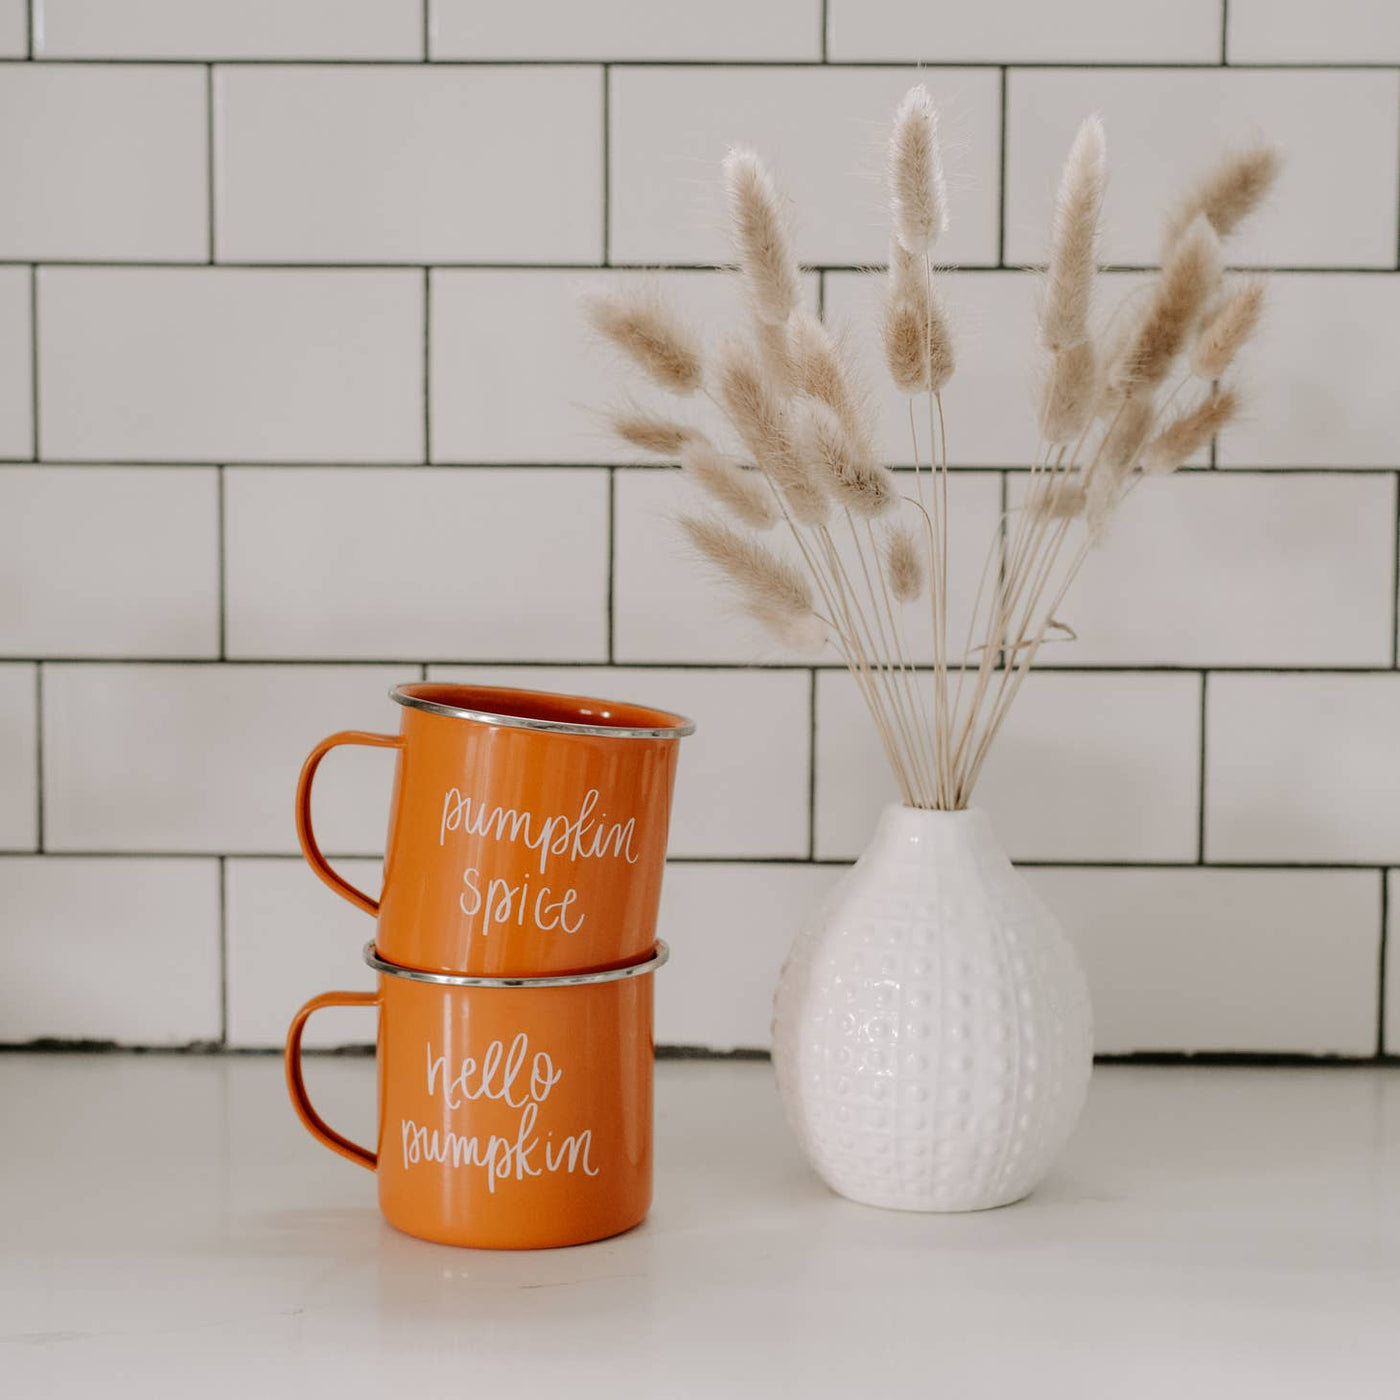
[
  {"x": 514, "y": 851},
  {"x": 509, "y": 1118}
]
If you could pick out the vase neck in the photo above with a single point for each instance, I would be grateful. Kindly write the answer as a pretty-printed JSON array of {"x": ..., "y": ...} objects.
[{"x": 936, "y": 836}]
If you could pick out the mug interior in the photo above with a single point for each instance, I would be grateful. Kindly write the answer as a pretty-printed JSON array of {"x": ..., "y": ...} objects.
[{"x": 541, "y": 709}]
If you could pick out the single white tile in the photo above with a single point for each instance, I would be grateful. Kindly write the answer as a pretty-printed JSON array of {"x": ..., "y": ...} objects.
[
  {"x": 109, "y": 561},
  {"x": 823, "y": 133},
  {"x": 742, "y": 780},
  {"x": 1302, "y": 31},
  {"x": 1335, "y": 201},
  {"x": 1066, "y": 778},
  {"x": 730, "y": 928},
  {"x": 205, "y": 758},
  {"x": 290, "y": 939},
  {"x": 519, "y": 376},
  {"x": 179, "y": 364},
  {"x": 394, "y": 164},
  {"x": 18, "y": 757},
  {"x": 1024, "y": 31},
  {"x": 1391, "y": 1010},
  {"x": 398, "y": 562},
  {"x": 109, "y": 949},
  {"x": 16, "y": 364},
  {"x": 616, "y": 29},
  {"x": 1303, "y": 768},
  {"x": 217, "y": 29},
  {"x": 1258, "y": 961},
  {"x": 669, "y": 606},
  {"x": 14, "y": 28},
  {"x": 1217, "y": 569},
  {"x": 1321, "y": 391},
  {"x": 103, "y": 162}
]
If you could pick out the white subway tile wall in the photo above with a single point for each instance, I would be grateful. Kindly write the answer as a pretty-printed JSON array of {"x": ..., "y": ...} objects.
[{"x": 297, "y": 402}]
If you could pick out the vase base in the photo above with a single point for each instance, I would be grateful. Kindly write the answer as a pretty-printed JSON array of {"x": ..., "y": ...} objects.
[{"x": 932, "y": 1205}]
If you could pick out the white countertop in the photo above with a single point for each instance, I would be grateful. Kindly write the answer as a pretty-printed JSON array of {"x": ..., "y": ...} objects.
[{"x": 168, "y": 1229}]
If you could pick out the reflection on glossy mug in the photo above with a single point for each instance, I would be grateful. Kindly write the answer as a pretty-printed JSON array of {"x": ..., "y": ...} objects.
[
  {"x": 527, "y": 834},
  {"x": 514, "y": 1113}
]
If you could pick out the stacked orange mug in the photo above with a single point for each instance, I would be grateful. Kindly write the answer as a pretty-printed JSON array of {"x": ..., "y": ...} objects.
[{"x": 515, "y": 942}]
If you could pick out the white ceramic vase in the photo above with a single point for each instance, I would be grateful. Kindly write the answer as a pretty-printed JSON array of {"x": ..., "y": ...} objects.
[{"x": 931, "y": 1029}]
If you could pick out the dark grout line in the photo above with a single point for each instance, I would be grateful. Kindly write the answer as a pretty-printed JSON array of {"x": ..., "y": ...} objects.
[
  {"x": 929, "y": 62},
  {"x": 824, "y": 38},
  {"x": 812, "y": 766},
  {"x": 1382, "y": 972},
  {"x": 34, "y": 359},
  {"x": 1395, "y": 583},
  {"x": 39, "y": 758},
  {"x": 210, "y": 211},
  {"x": 223, "y": 951},
  {"x": 607, "y": 164},
  {"x": 611, "y": 620},
  {"x": 1224, "y": 32},
  {"x": 427, "y": 31},
  {"x": 1201, "y": 778},
  {"x": 1001, "y": 205},
  {"x": 29, "y": 28},
  {"x": 221, "y": 555},
  {"x": 427, "y": 366}
]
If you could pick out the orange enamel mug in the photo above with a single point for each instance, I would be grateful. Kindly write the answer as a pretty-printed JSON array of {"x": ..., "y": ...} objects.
[
  {"x": 514, "y": 1113},
  {"x": 527, "y": 833}
]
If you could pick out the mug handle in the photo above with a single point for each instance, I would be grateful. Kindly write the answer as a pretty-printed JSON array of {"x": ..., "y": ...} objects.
[
  {"x": 307, "y": 837},
  {"x": 311, "y": 1120}
]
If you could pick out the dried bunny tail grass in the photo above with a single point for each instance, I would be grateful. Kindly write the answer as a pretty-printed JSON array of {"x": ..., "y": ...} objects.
[
  {"x": 761, "y": 235},
  {"x": 918, "y": 345},
  {"x": 1061, "y": 500},
  {"x": 1227, "y": 330},
  {"x": 662, "y": 437},
  {"x": 1188, "y": 432},
  {"x": 1181, "y": 291},
  {"x": 1074, "y": 245},
  {"x": 651, "y": 335},
  {"x": 1102, "y": 489},
  {"x": 819, "y": 370},
  {"x": 772, "y": 589},
  {"x": 742, "y": 492},
  {"x": 857, "y": 481},
  {"x": 760, "y": 417},
  {"x": 918, "y": 198},
  {"x": 1071, "y": 393},
  {"x": 775, "y": 352},
  {"x": 1126, "y": 433},
  {"x": 905, "y": 565},
  {"x": 1227, "y": 192}
]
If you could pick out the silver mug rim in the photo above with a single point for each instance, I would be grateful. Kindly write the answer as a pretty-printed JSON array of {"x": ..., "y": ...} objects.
[
  {"x": 400, "y": 695},
  {"x": 661, "y": 953}
]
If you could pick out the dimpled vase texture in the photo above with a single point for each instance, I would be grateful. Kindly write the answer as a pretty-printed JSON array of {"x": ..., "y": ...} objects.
[{"x": 931, "y": 1029}]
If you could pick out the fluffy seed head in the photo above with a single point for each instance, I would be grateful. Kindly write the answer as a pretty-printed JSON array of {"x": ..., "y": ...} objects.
[
  {"x": 1188, "y": 432},
  {"x": 1225, "y": 332},
  {"x": 856, "y": 480},
  {"x": 918, "y": 345},
  {"x": 1227, "y": 192},
  {"x": 1070, "y": 394},
  {"x": 662, "y": 437},
  {"x": 1180, "y": 293},
  {"x": 760, "y": 417},
  {"x": 761, "y": 237},
  {"x": 1074, "y": 252},
  {"x": 742, "y": 492},
  {"x": 918, "y": 199},
  {"x": 650, "y": 334},
  {"x": 1126, "y": 432},
  {"x": 820, "y": 371},
  {"x": 905, "y": 565},
  {"x": 772, "y": 589}
]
